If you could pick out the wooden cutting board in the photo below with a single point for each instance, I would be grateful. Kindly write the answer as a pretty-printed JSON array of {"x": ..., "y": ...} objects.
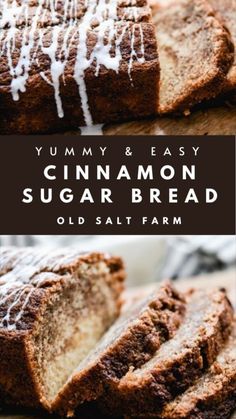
[
  {"x": 212, "y": 121},
  {"x": 227, "y": 280}
]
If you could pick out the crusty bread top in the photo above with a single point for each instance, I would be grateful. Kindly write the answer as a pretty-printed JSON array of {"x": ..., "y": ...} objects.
[
  {"x": 215, "y": 386},
  {"x": 210, "y": 385},
  {"x": 202, "y": 316},
  {"x": 182, "y": 359},
  {"x": 48, "y": 42},
  {"x": 26, "y": 273},
  {"x": 22, "y": 13},
  {"x": 226, "y": 10},
  {"x": 195, "y": 54},
  {"x": 118, "y": 56}
]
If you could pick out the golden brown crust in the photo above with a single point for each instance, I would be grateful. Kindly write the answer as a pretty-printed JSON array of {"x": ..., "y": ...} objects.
[
  {"x": 58, "y": 12},
  {"x": 27, "y": 274},
  {"x": 207, "y": 325},
  {"x": 226, "y": 13},
  {"x": 33, "y": 283},
  {"x": 201, "y": 59},
  {"x": 212, "y": 396},
  {"x": 130, "y": 342},
  {"x": 112, "y": 94}
]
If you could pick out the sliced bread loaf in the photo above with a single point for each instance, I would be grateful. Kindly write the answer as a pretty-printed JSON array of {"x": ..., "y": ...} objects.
[
  {"x": 195, "y": 53},
  {"x": 130, "y": 342},
  {"x": 54, "y": 306},
  {"x": 227, "y": 13},
  {"x": 213, "y": 396},
  {"x": 179, "y": 361}
]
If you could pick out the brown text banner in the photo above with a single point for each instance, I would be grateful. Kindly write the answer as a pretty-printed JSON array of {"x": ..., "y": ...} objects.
[{"x": 117, "y": 185}]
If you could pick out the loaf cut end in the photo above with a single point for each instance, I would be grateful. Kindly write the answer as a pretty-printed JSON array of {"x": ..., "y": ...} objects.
[
  {"x": 197, "y": 342},
  {"x": 226, "y": 12},
  {"x": 61, "y": 314},
  {"x": 195, "y": 53},
  {"x": 212, "y": 396},
  {"x": 130, "y": 342}
]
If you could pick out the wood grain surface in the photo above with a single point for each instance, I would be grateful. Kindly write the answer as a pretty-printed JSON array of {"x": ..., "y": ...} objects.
[
  {"x": 212, "y": 121},
  {"x": 226, "y": 279},
  {"x": 209, "y": 121},
  {"x": 221, "y": 279}
]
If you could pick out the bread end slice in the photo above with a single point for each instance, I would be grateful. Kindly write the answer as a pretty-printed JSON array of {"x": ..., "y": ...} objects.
[
  {"x": 129, "y": 343},
  {"x": 195, "y": 52},
  {"x": 212, "y": 396},
  {"x": 181, "y": 360},
  {"x": 226, "y": 13}
]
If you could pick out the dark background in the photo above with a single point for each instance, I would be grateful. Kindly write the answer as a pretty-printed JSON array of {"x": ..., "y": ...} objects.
[{"x": 20, "y": 168}]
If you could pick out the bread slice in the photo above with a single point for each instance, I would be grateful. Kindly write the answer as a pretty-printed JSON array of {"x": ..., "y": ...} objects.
[
  {"x": 226, "y": 11},
  {"x": 195, "y": 53},
  {"x": 179, "y": 361},
  {"x": 130, "y": 342},
  {"x": 213, "y": 396},
  {"x": 54, "y": 307}
]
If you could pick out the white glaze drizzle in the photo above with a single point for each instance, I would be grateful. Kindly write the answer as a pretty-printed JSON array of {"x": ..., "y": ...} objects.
[
  {"x": 134, "y": 55},
  {"x": 96, "y": 129},
  {"x": 100, "y": 18},
  {"x": 29, "y": 269}
]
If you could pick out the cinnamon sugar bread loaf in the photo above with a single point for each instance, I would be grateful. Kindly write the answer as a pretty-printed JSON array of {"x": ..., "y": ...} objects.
[
  {"x": 179, "y": 361},
  {"x": 171, "y": 356},
  {"x": 226, "y": 12},
  {"x": 195, "y": 53},
  {"x": 82, "y": 62},
  {"x": 73, "y": 63},
  {"x": 130, "y": 342},
  {"x": 213, "y": 396},
  {"x": 54, "y": 307}
]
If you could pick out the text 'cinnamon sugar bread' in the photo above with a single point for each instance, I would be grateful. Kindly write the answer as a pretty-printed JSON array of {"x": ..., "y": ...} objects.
[
  {"x": 73, "y": 63},
  {"x": 54, "y": 307},
  {"x": 207, "y": 325},
  {"x": 195, "y": 53},
  {"x": 130, "y": 342},
  {"x": 213, "y": 396}
]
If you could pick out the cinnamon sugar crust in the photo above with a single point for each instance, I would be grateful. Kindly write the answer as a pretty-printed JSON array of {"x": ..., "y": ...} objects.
[
  {"x": 86, "y": 62},
  {"x": 207, "y": 325},
  {"x": 54, "y": 307},
  {"x": 195, "y": 53},
  {"x": 129, "y": 343},
  {"x": 213, "y": 396},
  {"x": 226, "y": 12}
]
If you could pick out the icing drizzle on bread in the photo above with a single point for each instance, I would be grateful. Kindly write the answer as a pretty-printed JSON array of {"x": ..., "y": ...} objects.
[
  {"x": 95, "y": 28},
  {"x": 30, "y": 269}
]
